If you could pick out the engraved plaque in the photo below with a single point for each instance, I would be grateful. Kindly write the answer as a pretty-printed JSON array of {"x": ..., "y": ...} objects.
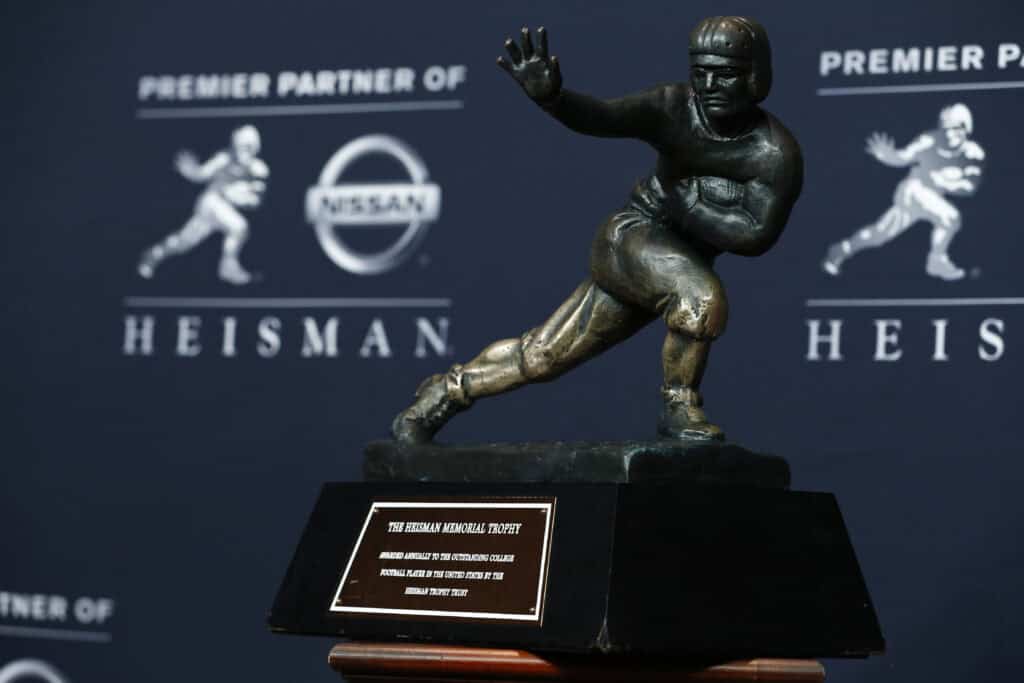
[{"x": 476, "y": 559}]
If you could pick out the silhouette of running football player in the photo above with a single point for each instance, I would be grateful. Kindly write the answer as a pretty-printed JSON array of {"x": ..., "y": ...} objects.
[
  {"x": 943, "y": 162},
  {"x": 235, "y": 179}
]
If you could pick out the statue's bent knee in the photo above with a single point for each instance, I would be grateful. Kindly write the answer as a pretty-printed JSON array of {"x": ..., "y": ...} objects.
[
  {"x": 699, "y": 315},
  {"x": 538, "y": 358}
]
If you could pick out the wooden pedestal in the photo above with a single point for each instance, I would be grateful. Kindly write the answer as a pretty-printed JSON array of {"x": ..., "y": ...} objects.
[{"x": 363, "y": 662}]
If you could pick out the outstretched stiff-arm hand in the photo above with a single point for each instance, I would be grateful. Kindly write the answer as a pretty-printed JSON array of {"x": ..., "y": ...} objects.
[
  {"x": 883, "y": 148},
  {"x": 642, "y": 115},
  {"x": 533, "y": 69}
]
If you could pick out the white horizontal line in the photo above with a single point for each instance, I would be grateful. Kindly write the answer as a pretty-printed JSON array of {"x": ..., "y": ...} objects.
[
  {"x": 931, "y": 87},
  {"x": 281, "y": 302},
  {"x": 438, "y": 613},
  {"x": 510, "y": 506},
  {"x": 868, "y": 303},
  {"x": 55, "y": 634},
  {"x": 295, "y": 109}
]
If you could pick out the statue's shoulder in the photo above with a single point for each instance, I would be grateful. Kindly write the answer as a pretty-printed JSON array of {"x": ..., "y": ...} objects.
[
  {"x": 786, "y": 162},
  {"x": 782, "y": 142},
  {"x": 973, "y": 151}
]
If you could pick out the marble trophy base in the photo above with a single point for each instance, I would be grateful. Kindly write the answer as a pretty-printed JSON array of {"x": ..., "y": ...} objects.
[{"x": 696, "y": 462}]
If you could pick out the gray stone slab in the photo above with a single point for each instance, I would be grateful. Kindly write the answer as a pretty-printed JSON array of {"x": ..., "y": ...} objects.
[{"x": 699, "y": 462}]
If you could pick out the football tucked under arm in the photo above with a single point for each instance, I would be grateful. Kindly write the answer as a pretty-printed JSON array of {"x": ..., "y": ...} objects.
[
  {"x": 953, "y": 180},
  {"x": 740, "y": 218}
]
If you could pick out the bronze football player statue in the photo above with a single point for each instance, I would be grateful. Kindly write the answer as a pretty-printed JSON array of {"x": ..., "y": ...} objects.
[{"x": 727, "y": 176}]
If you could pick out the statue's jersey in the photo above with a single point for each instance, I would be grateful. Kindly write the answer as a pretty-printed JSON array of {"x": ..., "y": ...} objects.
[
  {"x": 718, "y": 193},
  {"x": 947, "y": 170},
  {"x": 722, "y": 168},
  {"x": 241, "y": 183}
]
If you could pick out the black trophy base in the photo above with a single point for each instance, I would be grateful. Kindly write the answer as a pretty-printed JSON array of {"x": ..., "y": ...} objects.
[
  {"x": 660, "y": 568},
  {"x": 697, "y": 462}
]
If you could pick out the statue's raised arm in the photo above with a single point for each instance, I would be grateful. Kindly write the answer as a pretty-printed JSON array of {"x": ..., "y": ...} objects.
[{"x": 641, "y": 115}]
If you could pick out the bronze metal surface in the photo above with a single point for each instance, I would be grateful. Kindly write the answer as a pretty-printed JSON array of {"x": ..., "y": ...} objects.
[{"x": 727, "y": 176}]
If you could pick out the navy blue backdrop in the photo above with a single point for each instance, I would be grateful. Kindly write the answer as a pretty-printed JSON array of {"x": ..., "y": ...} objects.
[{"x": 164, "y": 438}]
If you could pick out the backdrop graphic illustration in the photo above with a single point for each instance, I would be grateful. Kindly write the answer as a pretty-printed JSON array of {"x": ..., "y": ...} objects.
[{"x": 195, "y": 341}]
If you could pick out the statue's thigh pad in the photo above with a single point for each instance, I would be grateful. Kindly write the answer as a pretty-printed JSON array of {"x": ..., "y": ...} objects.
[{"x": 646, "y": 264}]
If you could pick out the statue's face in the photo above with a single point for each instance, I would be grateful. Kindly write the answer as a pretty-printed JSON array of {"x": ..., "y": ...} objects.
[
  {"x": 246, "y": 144},
  {"x": 722, "y": 84},
  {"x": 956, "y": 135}
]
